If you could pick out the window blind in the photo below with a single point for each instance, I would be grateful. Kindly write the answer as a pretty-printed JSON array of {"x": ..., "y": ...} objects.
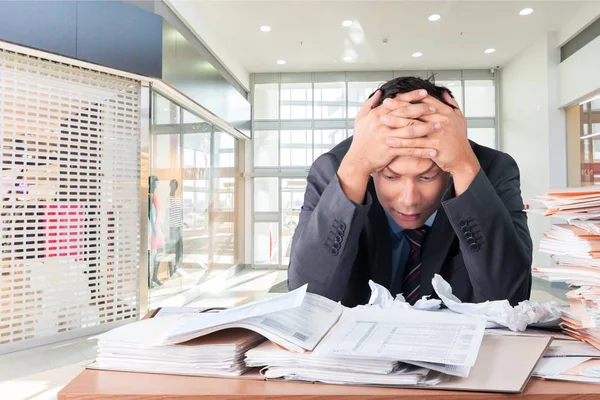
[{"x": 69, "y": 214}]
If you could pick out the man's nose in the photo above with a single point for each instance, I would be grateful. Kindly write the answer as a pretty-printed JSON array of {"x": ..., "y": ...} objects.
[{"x": 409, "y": 196}]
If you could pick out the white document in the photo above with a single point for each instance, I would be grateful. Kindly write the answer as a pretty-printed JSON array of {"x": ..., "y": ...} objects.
[
  {"x": 410, "y": 335},
  {"x": 554, "y": 366},
  {"x": 190, "y": 328},
  {"x": 567, "y": 348},
  {"x": 556, "y": 335},
  {"x": 167, "y": 311},
  {"x": 302, "y": 326},
  {"x": 453, "y": 370},
  {"x": 296, "y": 320}
]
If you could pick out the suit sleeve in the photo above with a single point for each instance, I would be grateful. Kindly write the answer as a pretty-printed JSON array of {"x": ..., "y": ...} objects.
[
  {"x": 325, "y": 242},
  {"x": 491, "y": 226}
]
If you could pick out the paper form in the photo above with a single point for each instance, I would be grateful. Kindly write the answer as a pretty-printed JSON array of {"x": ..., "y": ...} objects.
[
  {"x": 190, "y": 327},
  {"x": 406, "y": 335}
]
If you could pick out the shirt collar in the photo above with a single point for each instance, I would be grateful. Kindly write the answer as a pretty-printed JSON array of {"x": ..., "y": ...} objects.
[{"x": 397, "y": 229}]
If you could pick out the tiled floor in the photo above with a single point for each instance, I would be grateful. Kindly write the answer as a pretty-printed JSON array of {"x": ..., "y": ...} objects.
[{"x": 40, "y": 373}]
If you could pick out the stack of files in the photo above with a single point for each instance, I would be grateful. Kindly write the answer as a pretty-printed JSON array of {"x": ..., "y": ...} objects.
[
  {"x": 336, "y": 369},
  {"x": 575, "y": 249},
  {"x": 572, "y": 204},
  {"x": 134, "y": 348},
  {"x": 571, "y": 361}
]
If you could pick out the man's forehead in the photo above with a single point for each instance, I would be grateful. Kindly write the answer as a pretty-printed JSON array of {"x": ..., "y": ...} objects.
[{"x": 411, "y": 165}]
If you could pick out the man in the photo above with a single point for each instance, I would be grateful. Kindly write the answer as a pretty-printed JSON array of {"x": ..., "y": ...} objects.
[{"x": 407, "y": 197}]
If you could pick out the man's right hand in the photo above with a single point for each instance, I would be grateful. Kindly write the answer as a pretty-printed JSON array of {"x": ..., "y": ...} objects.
[{"x": 369, "y": 151}]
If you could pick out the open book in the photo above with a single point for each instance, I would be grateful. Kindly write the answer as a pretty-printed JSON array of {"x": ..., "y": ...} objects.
[{"x": 296, "y": 320}]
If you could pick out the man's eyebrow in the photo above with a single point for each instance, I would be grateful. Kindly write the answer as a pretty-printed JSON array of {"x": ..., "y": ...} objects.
[{"x": 433, "y": 165}]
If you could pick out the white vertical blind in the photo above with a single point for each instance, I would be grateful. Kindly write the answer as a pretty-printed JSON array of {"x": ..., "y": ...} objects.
[{"x": 69, "y": 214}]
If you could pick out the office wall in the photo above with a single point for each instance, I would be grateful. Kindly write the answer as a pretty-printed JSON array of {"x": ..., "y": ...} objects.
[
  {"x": 525, "y": 126},
  {"x": 578, "y": 74},
  {"x": 109, "y": 33}
]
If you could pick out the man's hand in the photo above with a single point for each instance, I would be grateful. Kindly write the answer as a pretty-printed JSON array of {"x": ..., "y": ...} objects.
[
  {"x": 370, "y": 151},
  {"x": 450, "y": 148}
]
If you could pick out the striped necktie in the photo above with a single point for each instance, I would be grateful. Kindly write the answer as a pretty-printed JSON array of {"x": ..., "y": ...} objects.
[{"x": 411, "y": 283}]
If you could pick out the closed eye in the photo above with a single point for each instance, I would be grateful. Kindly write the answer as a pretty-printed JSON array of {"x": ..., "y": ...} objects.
[
  {"x": 429, "y": 178},
  {"x": 390, "y": 177}
]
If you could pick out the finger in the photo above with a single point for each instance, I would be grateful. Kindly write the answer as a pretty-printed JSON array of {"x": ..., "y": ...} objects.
[
  {"x": 407, "y": 111},
  {"x": 402, "y": 99},
  {"x": 449, "y": 99},
  {"x": 414, "y": 152},
  {"x": 416, "y": 130},
  {"x": 441, "y": 108},
  {"x": 423, "y": 142},
  {"x": 369, "y": 104}
]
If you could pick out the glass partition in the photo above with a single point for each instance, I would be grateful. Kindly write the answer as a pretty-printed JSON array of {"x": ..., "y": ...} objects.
[{"x": 193, "y": 190}]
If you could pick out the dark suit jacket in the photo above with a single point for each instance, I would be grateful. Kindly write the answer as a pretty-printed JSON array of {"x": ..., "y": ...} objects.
[{"x": 479, "y": 241}]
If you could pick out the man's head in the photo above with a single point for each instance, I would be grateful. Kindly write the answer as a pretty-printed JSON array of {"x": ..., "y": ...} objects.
[{"x": 409, "y": 188}]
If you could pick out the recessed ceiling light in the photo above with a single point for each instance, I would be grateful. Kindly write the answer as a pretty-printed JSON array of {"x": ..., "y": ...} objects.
[
  {"x": 280, "y": 62},
  {"x": 434, "y": 17},
  {"x": 526, "y": 11},
  {"x": 347, "y": 22},
  {"x": 347, "y": 58},
  {"x": 489, "y": 51},
  {"x": 265, "y": 28},
  {"x": 417, "y": 54}
]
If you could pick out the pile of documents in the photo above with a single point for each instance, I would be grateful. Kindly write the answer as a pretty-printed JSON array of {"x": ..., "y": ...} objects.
[
  {"x": 306, "y": 337},
  {"x": 575, "y": 247},
  {"x": 134, "y": 348}
]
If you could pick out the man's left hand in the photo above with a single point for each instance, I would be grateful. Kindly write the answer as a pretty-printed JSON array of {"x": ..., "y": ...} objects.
[{"x": 450, "y": 148}]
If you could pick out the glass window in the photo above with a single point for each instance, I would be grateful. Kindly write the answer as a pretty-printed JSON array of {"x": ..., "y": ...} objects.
[
  {"x": 192, "y": 207},
  {"x": 330, "y": 100},
  {"x": 224, "y": 150},
  {"x": 266, "y": 101},
  {"x": 296, "y": 148},
  {"x": 266, "y": 243},
  {"x": 480, "y": 98},
  {"x": 223, "y": 243},
  {"x": 292, "y": 197},
  {"x": 326, "y": 140},
  {"x": 296, "y": 101},
  {"x": 165, "y": 112},
  {"x": 456, "y": 88},
  {"x": 266, "y": 194},
  {"x": 266, "y": 149},
  {"x": 358, "y": 92},
  {"x": 483, "y": 136}
]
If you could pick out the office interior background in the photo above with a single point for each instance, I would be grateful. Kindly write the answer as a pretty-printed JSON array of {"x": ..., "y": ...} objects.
[{"x": 155, "y": 153}]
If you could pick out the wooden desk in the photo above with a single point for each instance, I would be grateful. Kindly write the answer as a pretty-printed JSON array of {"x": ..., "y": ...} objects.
[{"x": 103, "y": 385}]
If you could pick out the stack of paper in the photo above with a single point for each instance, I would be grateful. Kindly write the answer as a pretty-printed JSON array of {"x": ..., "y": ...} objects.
[
  {"x": 395, "y": 347},
  {"x": 134, "y": 348},
  {"x": 569, "y": 360},
  {"x": 575, "y": 247}
]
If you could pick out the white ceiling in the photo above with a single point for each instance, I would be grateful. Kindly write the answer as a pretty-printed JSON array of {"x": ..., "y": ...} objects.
[{"x": 457, "y": 40}]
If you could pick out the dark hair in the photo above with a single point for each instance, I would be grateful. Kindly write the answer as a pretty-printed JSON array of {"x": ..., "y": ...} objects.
[{"x": 405, "y": 84}]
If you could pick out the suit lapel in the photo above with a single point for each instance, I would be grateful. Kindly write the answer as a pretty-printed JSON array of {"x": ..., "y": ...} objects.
[
  {"x": 380, "y": 244},
  {"x": 437, "y": 245}
]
